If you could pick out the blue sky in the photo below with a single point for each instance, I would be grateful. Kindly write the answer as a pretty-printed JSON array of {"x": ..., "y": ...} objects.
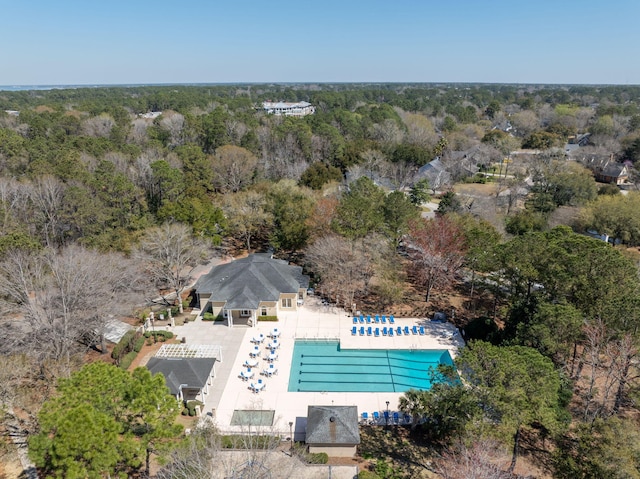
[{"x": 214, "y": 41}]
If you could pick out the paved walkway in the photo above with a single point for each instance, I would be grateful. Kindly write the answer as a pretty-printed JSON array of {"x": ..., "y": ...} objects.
[{"x": 313, "y": 320}]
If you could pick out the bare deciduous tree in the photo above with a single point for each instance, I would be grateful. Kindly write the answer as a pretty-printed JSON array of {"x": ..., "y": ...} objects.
[
  {"x": 138, "y": 133},
  {"x": 235, "y": 168},
  {"x": 420, "y": 130},
  {"x": 345, "y": 267},
  {"x": 436, "y": 248},
  {"x": 58, "y": 301},
  {"x": 173, "y": 123},
  {"x": 525, "y": 122},
  {"x": 253, "y": 453},
  {"x": 170, "y": 254},
  {"x": 13, "y": 197},
  {"x": 480, "y": 460},
  {"x": 387, "y": 132},
  {"x": 247, "y": 215},
  {"x": 98, "y": 126},
  {"x": 46, "y": 195}
]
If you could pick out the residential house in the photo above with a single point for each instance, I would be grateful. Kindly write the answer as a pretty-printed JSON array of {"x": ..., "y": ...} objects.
[
  {"x": 247, "y": 288},
  {"x": 333, "y": 430},
  {"x": 435, "y": 172},
  {"x": 607, "y": 170},
  {"x": 616, "y": 173}
]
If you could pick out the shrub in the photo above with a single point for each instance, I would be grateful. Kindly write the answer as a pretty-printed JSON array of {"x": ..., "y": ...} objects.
[
  {"x": 318, "y": 458},
  {"x": 267, "y": 318},
  {"x": 175, "y": 310},
  {"x": 159, "y": 335},
  {"x": 241, "y": 442},
  {"x": 124, "y": 345},
  {"x": 191, "y": 407},
  {"x": 368, "y": 475},
  {"x": 138, "y": 344},
  {"x": 128, "y": 358},
  {"x": 208, "y": 317},
  {"x": 186, "y": 302}
]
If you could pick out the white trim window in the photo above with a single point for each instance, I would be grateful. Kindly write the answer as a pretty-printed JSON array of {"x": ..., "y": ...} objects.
[
  {"x": 263, "y": 311},
  {"x": 245, "y": 313},
  {"x": 286, "y": 302}
]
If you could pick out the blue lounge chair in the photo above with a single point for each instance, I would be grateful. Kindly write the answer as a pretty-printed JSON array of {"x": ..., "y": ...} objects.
[
  {"x": 391, "y": 332},
  {"x": 376, "y": 416},
  {"x": 406, "y": 331},
  {"x": 361, "y": 330},
  {"x": 369, "y": 331},
  {"x": 383, "y": 318},
  {"x": 377, "y": 332},
  {"x": 399, "y": 331},
  {"x": 365, "y": 417},
  {"x": 361, "y": 319},
  {"x": 421, "y": 330},
  {"x": 384, "y": 331},
  {"x": 386, "y": 416},
  {"x": 392, "y": 320},
  {"x": 368, "y": 319},
  {"x": 414, "y": 330},
  {"x": 407, "y": 419},
  {"x": 377, "y": 318},
  {"x": 354, "y": 330},
  {"x": 396, "y": 418},
  {"x": 355, "y": 320}
]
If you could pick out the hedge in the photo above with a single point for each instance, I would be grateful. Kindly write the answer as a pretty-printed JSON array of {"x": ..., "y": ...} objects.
[
  {"x": 267, "y": 318},
  {"x": 124, "y": 345},
  {"x": 137, "y": 346},
  {"x": 128, "y": 358}
]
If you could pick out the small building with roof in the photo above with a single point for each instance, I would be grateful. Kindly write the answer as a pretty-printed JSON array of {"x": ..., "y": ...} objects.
[
  {"x": 187, "y": 378},
  {"x": 333, "y": 430},
  {"x": 251, "y": 287}
]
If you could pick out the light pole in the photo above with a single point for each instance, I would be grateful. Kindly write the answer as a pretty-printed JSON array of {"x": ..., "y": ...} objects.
[
  {"x": 291, "y": 436},
  {"x": 386, "y": 417}
]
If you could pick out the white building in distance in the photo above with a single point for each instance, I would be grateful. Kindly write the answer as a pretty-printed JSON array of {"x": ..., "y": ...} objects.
[{"x": 301, "y": 108}]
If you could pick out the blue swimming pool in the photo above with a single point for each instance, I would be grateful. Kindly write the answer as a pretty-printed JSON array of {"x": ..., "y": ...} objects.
[{"x": 319, "y": 366}]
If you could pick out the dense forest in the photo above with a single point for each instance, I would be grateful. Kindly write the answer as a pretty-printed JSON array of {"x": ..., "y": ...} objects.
[{"x": 96, "y": 182}]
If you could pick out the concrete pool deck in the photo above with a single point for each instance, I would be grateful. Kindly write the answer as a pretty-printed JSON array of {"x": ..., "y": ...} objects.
[{"x": 312, "y": 321}]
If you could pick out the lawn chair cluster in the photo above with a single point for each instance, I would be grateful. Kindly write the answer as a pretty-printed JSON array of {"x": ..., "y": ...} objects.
[
  {"x": 391, "y": 418},
  {"x": 376, "y": 319},
  {"x": 270, "y": 356},
  {"x": 391, "y": 331}
]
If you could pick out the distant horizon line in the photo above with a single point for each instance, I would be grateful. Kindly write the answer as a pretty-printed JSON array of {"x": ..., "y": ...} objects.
[{"x": 63, "y": 86}]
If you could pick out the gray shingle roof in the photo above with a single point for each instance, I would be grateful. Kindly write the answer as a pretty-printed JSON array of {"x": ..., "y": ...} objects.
[
  {"x": 245, "y": 282},
  {"x": 614, "y": 170},
  {"x": 192, "y": 372},
  {"x": 342, "y": 430}
]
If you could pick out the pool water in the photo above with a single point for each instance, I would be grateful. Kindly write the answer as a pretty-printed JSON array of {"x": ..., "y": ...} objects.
[{"x": 319, "y": 366}]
